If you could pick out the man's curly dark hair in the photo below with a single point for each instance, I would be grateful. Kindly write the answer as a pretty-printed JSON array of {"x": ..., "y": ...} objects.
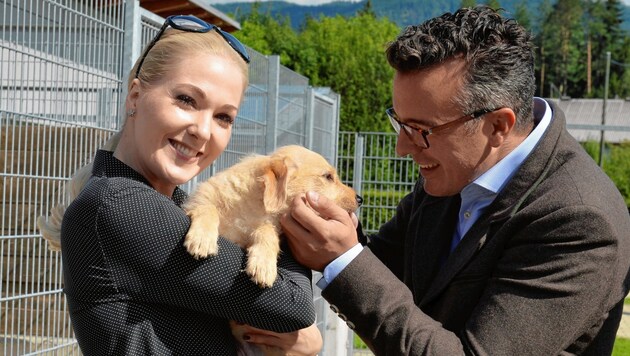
[{"x": 499, "y": 55}]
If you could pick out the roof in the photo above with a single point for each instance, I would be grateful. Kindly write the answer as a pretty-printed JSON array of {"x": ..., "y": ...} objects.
[
  {"x": 585, "y": 117},
  {"x": 198, "y": 8}
]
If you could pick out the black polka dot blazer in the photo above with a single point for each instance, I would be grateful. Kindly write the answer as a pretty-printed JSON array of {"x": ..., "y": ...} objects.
[{"x": 132, "y": 288}]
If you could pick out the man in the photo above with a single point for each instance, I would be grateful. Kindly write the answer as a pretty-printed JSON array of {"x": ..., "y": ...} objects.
[{"x": 513, "y": 241}]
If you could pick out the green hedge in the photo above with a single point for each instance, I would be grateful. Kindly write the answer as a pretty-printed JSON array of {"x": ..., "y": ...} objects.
[{"x": 615, "y": 163}]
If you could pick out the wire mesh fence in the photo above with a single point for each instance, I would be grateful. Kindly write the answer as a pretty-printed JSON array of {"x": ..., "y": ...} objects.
[{"x": 63, "y": 67}]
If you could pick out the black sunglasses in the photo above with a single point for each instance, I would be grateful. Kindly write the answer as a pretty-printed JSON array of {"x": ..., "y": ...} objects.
[{"x": 191, "y": 23}]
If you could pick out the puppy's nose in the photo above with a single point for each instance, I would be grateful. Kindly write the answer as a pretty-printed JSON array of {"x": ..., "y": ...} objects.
[{"x": 359, "y": 200}]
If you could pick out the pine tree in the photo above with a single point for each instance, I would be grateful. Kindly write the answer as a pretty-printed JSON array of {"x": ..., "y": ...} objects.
[{"x": 468, "y": 3}]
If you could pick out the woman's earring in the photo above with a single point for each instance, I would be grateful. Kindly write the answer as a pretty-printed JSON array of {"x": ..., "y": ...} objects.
[{"x": 131, "y": 113}]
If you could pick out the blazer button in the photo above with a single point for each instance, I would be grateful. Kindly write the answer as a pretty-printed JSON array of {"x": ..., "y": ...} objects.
[
  {"x": 334, "y": 309},
  {"x": 350, "y": 324},
  {"x": 343, "y": 317}
]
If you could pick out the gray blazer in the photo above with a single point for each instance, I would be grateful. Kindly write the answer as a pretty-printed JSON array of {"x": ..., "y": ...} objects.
[{"x": 542, "y": 272}]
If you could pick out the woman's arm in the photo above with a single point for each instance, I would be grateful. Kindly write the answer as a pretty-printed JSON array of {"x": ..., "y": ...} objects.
[{"x": 142, "y": 234}]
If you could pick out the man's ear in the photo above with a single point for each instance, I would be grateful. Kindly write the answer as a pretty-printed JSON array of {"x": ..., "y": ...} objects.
[
  {"x": 503, "y": 121},
  {"x": 275, "y": 180}
]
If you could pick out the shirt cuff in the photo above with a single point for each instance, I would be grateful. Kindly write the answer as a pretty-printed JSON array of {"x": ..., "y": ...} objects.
[{"x": 338, "y": 264}]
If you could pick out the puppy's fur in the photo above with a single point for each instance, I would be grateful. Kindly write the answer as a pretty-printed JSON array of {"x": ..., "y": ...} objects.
[{"x": 244, "y": 203}]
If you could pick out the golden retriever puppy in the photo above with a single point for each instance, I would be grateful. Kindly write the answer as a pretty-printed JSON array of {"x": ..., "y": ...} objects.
[{"x": 244, "y": 203}]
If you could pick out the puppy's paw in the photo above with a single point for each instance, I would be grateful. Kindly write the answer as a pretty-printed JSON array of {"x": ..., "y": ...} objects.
[
  {"x": 201, "y": 244},
  {"x": 262, "y": 271}
]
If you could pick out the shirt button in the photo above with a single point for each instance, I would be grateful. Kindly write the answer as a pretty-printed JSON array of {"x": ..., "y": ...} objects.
[{"x": 467, "y": 215}]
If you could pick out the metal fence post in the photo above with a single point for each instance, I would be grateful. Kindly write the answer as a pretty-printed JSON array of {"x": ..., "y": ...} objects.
[
  {"x": 272, "y": 102},
  {"x": 132, "y": 43},
  {"x": 310, "y": 114},
  {"x": 357, "y": 179}
]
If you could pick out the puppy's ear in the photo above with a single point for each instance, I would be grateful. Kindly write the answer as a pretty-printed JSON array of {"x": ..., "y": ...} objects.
[{"x": 275, "y": 180}]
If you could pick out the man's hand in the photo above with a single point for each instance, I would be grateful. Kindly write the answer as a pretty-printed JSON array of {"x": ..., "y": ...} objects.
[
  {"x": 318, "y": 231},
  {"x": 304, "y": 342}
]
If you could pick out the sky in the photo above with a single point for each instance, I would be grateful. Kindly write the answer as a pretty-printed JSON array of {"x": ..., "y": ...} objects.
[
  {"x": 312, "y": 2},
  {"x": 299, "y": 2}
]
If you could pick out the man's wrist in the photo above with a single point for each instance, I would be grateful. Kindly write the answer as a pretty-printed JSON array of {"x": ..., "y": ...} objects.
[{"x": 332, "y": 270}]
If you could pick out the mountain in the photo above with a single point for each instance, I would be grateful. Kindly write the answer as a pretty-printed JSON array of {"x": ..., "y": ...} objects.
[{"x": 402, "y": 12}]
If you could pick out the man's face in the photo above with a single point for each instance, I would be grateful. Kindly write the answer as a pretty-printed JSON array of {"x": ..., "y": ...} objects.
[{"x": 456, "y": 156}]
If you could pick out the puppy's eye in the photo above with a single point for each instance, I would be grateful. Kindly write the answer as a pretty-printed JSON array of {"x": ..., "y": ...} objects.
[{"x": 330, "y": 177}]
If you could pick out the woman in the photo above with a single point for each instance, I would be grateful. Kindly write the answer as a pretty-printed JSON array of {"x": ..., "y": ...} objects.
[{"x": 131, "y": 287}]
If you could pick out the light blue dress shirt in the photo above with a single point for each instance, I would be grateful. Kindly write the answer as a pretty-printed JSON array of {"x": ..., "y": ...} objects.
[{"x": 476, "y": 196}]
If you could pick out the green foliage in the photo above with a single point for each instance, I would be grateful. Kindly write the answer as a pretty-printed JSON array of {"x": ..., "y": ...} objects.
[
  {"x": 564, "y": 46},
  {"x": 493, "y": 4},
  {"x": 358, "y": 343},
  {"x": 344, "y": 53},
  {"x": 522, "y": 15},
  {"x": 572, "y": 40},
  {"x": 615, "y": 163},
  {"x": 621, "y": 347},
  {"x": 269, "y": 35},
  {"x": 348, "y": 55},
  {"x": 468, "y": 3}
]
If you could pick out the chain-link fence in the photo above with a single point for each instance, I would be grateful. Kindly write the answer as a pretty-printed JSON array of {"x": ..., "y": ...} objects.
[{"x": 63, "y": 68}]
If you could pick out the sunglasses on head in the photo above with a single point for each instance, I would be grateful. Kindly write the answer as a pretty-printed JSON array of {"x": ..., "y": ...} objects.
[{"x": 191, "y": 23}]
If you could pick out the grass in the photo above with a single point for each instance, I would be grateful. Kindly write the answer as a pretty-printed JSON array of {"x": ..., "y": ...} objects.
[
  {"x": 622, "y": 347},
  {"x": 358, "y": 343}
]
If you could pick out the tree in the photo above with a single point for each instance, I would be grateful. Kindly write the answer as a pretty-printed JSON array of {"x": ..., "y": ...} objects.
[
  {"x": 468, "y": 3},
  {"x": 541, "y": 40},
  {"x": 522, "y": 15},
  {"x": 564, "y": 47},
  {"x": 493, "y": 4},
  {"x": 345, "y": 54},
  {"x": 268, "y": 35},
  {"x": 618, "y": 47},
  {"x": 348, "y": 54}
]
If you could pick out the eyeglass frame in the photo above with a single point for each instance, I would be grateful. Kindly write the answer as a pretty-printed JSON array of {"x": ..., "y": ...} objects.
[
  {"x": 229, "y": 38},
  {"x": 410, "y": 131}
]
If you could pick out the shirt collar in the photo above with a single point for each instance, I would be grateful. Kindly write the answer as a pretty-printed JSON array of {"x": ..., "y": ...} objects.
[{"x": 496, "y": 177}]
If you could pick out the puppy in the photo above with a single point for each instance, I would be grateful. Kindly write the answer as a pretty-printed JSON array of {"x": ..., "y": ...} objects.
[{"x": 244, "y": 203}]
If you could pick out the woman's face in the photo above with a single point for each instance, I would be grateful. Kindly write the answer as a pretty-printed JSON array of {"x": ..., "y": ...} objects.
[{"x": 183, "y": 122}]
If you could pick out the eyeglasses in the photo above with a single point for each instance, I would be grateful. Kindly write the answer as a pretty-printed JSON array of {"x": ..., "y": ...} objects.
[
  {"x": 419, "y": 136},
  {"x": 191, "y": 23}
]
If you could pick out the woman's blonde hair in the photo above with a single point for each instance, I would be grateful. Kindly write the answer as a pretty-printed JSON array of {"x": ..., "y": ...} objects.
[{"x": 160, "y": 59}]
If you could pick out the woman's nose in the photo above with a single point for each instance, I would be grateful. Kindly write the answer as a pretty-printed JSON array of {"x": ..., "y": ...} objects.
[{"x": 202, "y": 127}]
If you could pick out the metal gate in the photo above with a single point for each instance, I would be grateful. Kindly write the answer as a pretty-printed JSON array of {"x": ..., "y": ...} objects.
[{"x": 63, "y": 67}]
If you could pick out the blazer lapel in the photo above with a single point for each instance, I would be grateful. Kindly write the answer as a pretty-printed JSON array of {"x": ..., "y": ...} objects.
[
  {"x": 431, "y": 241},
  {"x": 471, "y": 243}
]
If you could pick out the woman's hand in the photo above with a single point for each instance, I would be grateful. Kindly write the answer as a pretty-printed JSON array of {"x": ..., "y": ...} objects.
[{"x": 303, "y": 342}]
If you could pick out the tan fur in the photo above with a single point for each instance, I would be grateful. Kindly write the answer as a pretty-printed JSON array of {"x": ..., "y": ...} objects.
[{"x": 244, "y": 203}]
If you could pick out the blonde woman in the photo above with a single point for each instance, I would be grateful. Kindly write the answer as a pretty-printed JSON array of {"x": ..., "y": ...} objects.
[{"x": 131, "y": 287}]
